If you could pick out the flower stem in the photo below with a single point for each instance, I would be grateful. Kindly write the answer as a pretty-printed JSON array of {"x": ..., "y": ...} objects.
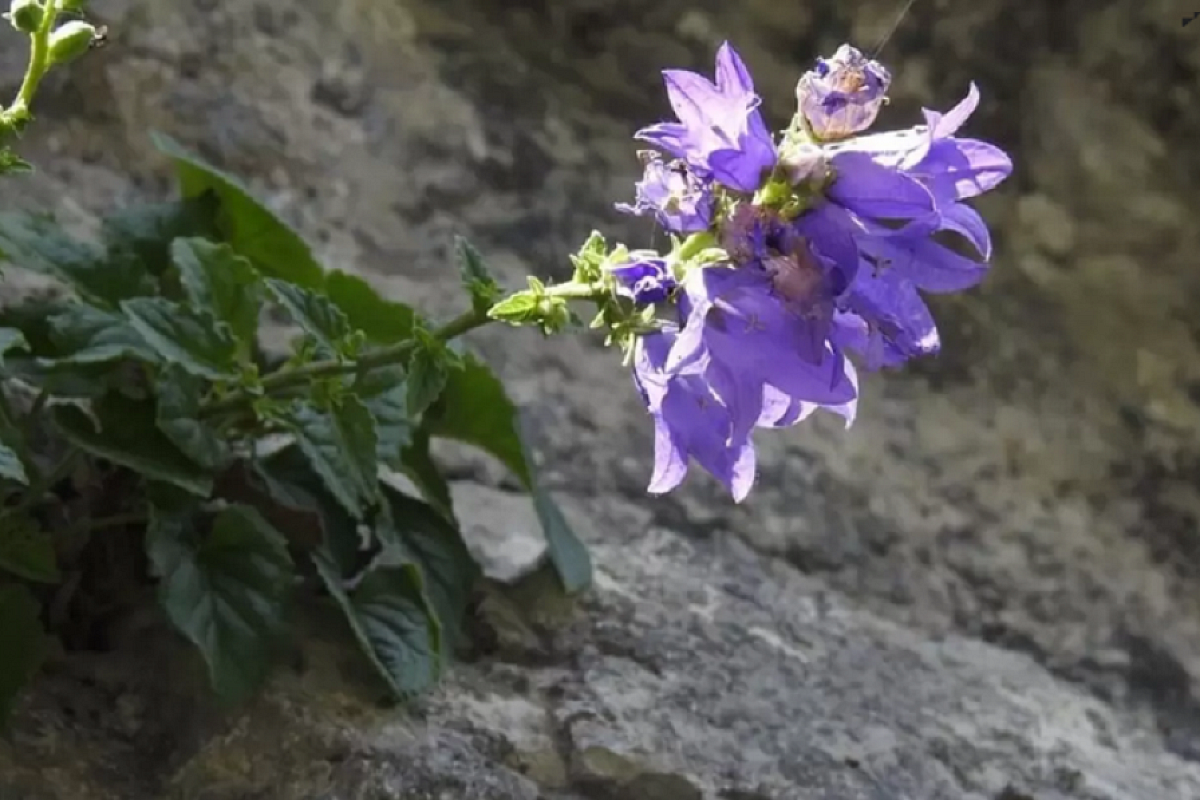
[{"x": 39, "y": 63}]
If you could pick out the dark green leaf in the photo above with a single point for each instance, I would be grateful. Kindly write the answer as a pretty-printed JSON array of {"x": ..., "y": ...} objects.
[
  {"x": 393, "y": 620},
  {"x": 340, "y": 444},
  {"x": 125, "y": 433},
  {"x": 11, "y": 339},
  {"x": 476, "y": 410},
  {"x": 190, "y": 338},
  {"x": 383, "y": 321},
  {"x": 218, "y": 281},
  {"x": 384, "y": 394},
  {"x": 82, "y": 334},
  {"x": 144, "y": 232},
  {"x": 316, "y": 315},
  {"x": 417, "y": 463},
  {"x": 226, "y": 590},
  {"x": 179, "y": 398},
  {"x": 424, "y": 536},
  {"x": 428, "y": 371},
  {"x": 36, "y": 242},
  {"x": 250, "y": 227},
  {"x": 476, "y": 278},
  {"x": 21, "y": 642},
  {"x": 26, "y": 550},
  {"x": 13, "y": 164}
]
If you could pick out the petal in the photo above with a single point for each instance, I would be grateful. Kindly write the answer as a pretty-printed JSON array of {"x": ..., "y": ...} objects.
[
  {"x": 740, "y": 472},
  {"x": 945, "y": 125},
  {"x": 670, "y": 460},
  {"x": 872, "y": 190},
  {"x": 692, "y": 96},
  {"x": 929, "y": 265},
  {"x": 670, "y": 136},
  {"x": 732, "y": 75},
  {"x": 966, "y": 221},
  {"x": 962, "y": 168}
]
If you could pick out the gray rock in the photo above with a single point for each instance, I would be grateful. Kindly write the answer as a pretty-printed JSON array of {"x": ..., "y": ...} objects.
[{"x": 988, "y": 588}]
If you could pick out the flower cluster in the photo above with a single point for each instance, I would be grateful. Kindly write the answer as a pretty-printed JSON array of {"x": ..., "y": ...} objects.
[{"x": 789, "y": 254}]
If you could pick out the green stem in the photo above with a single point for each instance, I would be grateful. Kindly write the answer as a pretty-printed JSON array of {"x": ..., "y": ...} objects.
[
  {"x": 39, "y": 63},
  {"x": 398, "y": 353}
]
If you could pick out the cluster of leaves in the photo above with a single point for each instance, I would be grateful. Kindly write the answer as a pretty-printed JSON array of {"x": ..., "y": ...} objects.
[{"x": 241, "y": 482}]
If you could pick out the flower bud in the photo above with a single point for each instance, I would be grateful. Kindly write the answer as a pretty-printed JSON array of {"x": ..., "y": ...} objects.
[
  {"x": 842, "y": 95},
  {"x": 25, "y": 15},
  {"x": 70, "y": 41}
]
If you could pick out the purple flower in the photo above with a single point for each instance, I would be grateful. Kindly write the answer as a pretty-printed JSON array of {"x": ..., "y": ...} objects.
[
  {"x": 736, "y": 318},
  {"x": 645, "y": 280},
  {"x": 680, "y": 201},
  {"x": 842, "y": 95},
  {"x": 720, "y": 132},
  {"x": 691, "y": 422}
]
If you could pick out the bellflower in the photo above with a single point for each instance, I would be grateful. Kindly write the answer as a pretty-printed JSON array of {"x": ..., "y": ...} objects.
[
  {"x": 841, "y": 95},
  {"x": 680, "y": 201},
  {"x": 720, "y": 132},
  {"x": 785, "y": 262}
]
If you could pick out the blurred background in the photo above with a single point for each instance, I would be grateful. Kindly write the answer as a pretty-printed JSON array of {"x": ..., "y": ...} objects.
[{"x": 988, "y": 587}]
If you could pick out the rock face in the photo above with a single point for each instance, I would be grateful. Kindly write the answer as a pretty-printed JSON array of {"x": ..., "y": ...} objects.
[{"x": 988, "y": 588}]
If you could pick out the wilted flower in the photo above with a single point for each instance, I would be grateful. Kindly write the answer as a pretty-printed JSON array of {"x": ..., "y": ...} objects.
[
  {"x": 720, "y": 132},
  {"x": 680, "y": 201},
  {"x": 841, "y": 96}
]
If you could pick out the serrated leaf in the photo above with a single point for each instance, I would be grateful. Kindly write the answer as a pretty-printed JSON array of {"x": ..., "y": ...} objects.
[
  {"x": 21, "y": 641},
  {"x": 179, "y": 398},
  {"x": 36, "y": 242},
  {"x": 144, "y": 232},
  {"x": 316, "y": 315},
  {"x": 384, "y": 394},
  {"x": 475, "y": 409},
  {"x": 250, "y": 227},
  {"x": 428, "y": 372},
  {"x": 476, "y": 278},
  {"x": 394, "y": 622},
  {"x": 184, "y": 336},
  {"x": 83, "y": 334},
  {"x": 424, "y": 536},
  {"x": 11, "y": 339},
  {"x": 13, "y": 164},
  {"x": 125, "y": 433},
  {"x": 383, "y": 321},
  {"x": 340, "y": 444},
  {"x": 519, "y": 307},
  {"x": 416, "y": 462},
  {"x": 225, "y": 589},
  {"x": 26, "y": 550},
  {"x": 218, "y": 281}
]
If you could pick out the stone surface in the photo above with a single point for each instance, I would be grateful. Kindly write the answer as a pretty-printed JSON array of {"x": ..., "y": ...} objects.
[{"x": 988, "y": 588}]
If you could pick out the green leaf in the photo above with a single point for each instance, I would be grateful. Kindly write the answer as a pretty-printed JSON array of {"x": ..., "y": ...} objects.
[
  {"x": 476, "y": 278},
  {"x": 316, "y": 315},
  {"x": 144, "y": 232},
  {"x": 36, "y": 242},
  {"x": 11, "y": 339},
  {"x": 384, "y": 394},
  {"x": 21, "y": 641},
  {"x": 125, "y": 433},
  {"x": 13, "y": 164},
  {"x": 383, "y": 321},
  {"x": 340, "y": 443},
  {"x": 188, "y": 337},
  {"x": 11, "y": 467},
  {"x": 218, "y": 281},
  {"x": 416, "y": 462},
  {"x": 225, "y": 589},
  {"x": 83, "y": 334},
  {"x": 394, "y": 622},
  {"x": 250, "y": 227},
  {"x": 26, "y": 550},
  {"x": 428, "y": 372},
  {"x": 424, "y": 536},
  {"x": 179, "y": 398},
  {"x": 476, "y": 410}
]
